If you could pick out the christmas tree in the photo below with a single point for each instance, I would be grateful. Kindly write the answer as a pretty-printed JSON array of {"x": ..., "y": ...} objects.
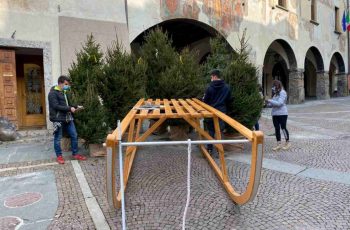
[
  {"x": 241, "y": 75},
  {"x": 183, "y": 79},
  {"x": 84, "y": 73},
  {"x": 91, "y": 122},
  {"x": 122, "y": 84},
  {"x": 158, "y": 53}
]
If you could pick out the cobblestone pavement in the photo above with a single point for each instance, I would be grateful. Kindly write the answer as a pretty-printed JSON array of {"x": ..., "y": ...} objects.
[{"x": 156, "y": 192}]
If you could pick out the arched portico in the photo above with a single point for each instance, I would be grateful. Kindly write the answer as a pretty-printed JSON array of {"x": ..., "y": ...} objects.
[
  {"x": 315, "y": 79},
  {"x": 280, "y": 64},
  {"x": 338, "y": 84}
]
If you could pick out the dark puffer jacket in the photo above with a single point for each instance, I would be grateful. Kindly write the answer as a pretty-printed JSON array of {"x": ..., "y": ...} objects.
[
  {"x": 60, "y": 110},
  {"x": 218, "y": 95}
]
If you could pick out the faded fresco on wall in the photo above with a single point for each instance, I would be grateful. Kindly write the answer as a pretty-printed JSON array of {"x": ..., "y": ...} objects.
[
  {"x": 293, "y": 26},
  {"x": 25, "y": 5},
  {"x": 223, "y": 15}
]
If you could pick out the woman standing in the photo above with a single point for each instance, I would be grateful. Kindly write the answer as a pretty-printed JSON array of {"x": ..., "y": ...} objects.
[{"x": 279, "y": 114}]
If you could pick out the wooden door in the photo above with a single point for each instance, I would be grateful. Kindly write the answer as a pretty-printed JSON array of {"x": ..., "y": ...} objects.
[
  {"x": 8, "y": 86},
  {"x": 31, "y": 91}
]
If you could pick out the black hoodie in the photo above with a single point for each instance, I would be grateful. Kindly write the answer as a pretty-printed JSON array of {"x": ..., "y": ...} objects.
[
  {"x": 59, "y": 107},
  {"x": 218, "y": 95}
]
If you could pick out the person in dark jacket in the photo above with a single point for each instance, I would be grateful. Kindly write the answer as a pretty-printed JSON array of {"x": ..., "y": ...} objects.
[
  {"x": 217, "y": 95},
  {"x": 61, "y": 114}
]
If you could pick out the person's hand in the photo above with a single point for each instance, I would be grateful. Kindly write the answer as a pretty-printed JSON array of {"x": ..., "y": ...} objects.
[{"x": 72, "y": 109}]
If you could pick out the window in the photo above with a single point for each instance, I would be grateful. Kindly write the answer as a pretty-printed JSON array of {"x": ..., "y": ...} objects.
[
  {"x": 337, "y": 20},
  {"x": 313, "y": 10},
  {"x": 282, "y": 3}
]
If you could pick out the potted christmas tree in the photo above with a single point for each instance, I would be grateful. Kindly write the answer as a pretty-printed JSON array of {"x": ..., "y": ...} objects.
[{"x": 84, "y": 73}]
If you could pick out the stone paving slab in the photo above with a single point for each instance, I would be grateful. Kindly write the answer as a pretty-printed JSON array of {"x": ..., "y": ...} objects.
[
  {"x": 39, "y": 214},
  {"x": 271, "y": 164},
  {"x": 28, "y": 152},
  {"x": 71, "y": 212},
  {"x": 329, "y": 175}
]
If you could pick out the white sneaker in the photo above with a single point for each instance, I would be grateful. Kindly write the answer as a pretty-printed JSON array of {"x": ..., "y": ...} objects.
[
  {"x": 287, "y": 146},
  {"x": 278, "y": 147}
]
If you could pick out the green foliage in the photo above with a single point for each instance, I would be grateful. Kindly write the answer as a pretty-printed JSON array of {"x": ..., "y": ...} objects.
[
  {"x": 181, "y": 80},
  {"x": 221, "y": 54},
  {"x": 158, "y": 53},
  {"x": 170, "y": 74},
  {"x": 123, "y": 83},
  {"x": 91, "y": 122},
  {"x": 241, "y": 75},
  {"x": 87, "y": 66}
]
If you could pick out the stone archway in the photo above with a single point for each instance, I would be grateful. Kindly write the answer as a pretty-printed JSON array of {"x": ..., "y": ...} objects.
[
  {"x": 337, "y": 76},
  {"x": 184, "y": 33},
  {"x": 280, "y": 63},
  {"x": 315, "y": 79}
]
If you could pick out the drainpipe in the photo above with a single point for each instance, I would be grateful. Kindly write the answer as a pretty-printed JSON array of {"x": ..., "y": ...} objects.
[
  {"x": 348, "y": 41},
  {"x": 126, "y": 13}
]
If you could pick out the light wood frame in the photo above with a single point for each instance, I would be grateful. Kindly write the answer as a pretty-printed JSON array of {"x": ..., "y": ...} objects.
[{"x": 191, "y": 110}]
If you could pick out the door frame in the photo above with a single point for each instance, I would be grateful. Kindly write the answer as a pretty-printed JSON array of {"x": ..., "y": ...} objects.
[{"x": 46, "y": 48}]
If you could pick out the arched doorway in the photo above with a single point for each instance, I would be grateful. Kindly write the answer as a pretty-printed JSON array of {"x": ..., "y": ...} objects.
[
  {"x": 314, "y": 83},
  {"x": 279, "y": 72},
  {"x": 338, "y": 84},
  {"x": 184, "y": 33},
  {"x": 278, "y": 62}
]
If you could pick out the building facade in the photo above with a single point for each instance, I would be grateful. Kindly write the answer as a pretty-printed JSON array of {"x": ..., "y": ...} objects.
[{"x": 300, "y": 43}]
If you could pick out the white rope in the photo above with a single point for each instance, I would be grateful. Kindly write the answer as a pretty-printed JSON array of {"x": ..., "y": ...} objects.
[{"x": 188, "y": 183}]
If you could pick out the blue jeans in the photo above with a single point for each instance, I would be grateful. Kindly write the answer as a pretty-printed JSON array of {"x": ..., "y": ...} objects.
[
  {"x": 211, "y": 129},
  {"x": 72, "y": 132},
  {"x": 257, "y": 126}
]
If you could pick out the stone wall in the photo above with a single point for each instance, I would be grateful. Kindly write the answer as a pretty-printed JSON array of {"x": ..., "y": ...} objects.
[{"x": 322, "y": 88}]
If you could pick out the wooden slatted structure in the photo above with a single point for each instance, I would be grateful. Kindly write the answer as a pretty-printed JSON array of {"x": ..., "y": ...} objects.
[{"x": 191, "y": 110}]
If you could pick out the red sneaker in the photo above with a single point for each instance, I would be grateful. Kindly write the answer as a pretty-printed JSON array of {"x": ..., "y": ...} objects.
[
  {"x": 79, "y": 157},
  {"x": 60, "y": 160}
]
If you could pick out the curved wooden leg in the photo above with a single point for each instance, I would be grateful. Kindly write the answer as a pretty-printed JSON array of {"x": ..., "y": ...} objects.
[
  {"x": 129, "y": 156},
  {"x": 221, "y": 151},
  {"x": 256, "y": 164}
]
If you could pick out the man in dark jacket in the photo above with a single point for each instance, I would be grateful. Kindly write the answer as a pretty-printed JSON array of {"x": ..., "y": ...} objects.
[
  {"x": 61, "y": 114},
  {"x": 217, "y": 95}
]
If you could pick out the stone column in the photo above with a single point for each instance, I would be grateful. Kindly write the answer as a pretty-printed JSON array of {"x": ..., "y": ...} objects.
[
  {"x": 296, "y": 86},
  {"x": 322, "y": 85},
  {"x": 342, "y": 84}
]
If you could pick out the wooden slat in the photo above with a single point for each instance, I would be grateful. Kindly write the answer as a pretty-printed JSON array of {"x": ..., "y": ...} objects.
[
  {"x": 168, "y": 111},
  {"x": 199, "y": 108},
  {"x": 178, "y": 108},
  {"x": 144, "y": 112},
  {"x": 189, "y": 108},
  {"x": 231, "y": 122},
  {"x": 156, "y": 111}
]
